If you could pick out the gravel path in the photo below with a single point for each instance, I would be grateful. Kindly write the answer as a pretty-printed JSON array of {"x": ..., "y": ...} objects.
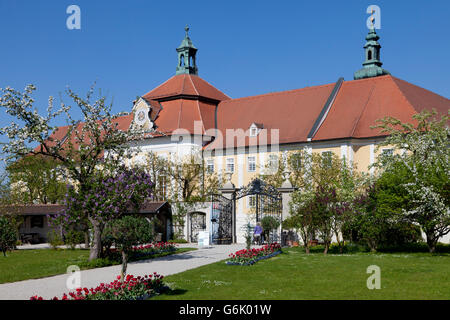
[{"x": 56, "y": 285}]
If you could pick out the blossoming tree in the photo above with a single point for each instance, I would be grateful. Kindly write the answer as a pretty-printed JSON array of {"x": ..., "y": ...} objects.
[
  {"x": 108, "y": 197},
  {"x": 426, "y": 159},
  {"x": 86, "y": 145}
]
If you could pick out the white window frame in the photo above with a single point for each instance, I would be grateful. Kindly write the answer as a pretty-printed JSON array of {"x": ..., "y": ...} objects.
[
  {"x": 331, "y": 156},
  {"x": 387, "y": 152},
  {"x": 253, "y": 131},
  {"x": 229, "y": 162},
  {"x": 162, "y": 181},
  {"x": 273, "y": 167},
  {"x": 210, "y": 165},
  {"x": 298, "y": 160},
  {"x": 251, "y": 164}
]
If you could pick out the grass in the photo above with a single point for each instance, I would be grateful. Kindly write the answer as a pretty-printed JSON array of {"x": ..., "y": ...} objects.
[
  {"x": 295, "y": 275},
  {"x": 32, "y": 264}
]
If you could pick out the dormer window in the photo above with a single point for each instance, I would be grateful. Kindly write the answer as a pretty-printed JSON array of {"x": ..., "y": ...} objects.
[{"x": 254, "y": 129}]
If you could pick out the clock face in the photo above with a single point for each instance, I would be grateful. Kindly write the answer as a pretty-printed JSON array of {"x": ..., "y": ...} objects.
[{"x": 141, "y": 117}]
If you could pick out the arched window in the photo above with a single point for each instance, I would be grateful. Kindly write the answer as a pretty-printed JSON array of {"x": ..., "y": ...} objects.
[
  {"x": 369, "y": 55},
  {"x": 182, "y": 60}
]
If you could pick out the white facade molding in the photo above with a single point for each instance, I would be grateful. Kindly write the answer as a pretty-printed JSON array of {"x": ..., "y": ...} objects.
[
  {"x": 372, "y": 158},
  {"x": 344, "y": 153}
]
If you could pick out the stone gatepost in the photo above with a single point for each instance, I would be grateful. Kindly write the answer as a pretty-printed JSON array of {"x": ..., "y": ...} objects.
[
  {"x": 229, "y": 191},
  {"x": 286, "y": 190}
]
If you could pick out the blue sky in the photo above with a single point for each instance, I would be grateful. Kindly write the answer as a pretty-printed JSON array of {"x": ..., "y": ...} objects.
[{"x": 245, "y": 47}]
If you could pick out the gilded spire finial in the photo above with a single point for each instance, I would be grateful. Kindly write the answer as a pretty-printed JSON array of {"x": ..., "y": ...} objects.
[{"x": 372, "y": 18}]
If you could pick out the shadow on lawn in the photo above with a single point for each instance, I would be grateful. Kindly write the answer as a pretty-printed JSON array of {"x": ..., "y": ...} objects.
[
  {"x": 175, "y": 292},
  {"x": 172, "y": 257}
]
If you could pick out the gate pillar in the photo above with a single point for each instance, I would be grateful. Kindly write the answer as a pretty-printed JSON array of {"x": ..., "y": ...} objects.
[
  {"x": 286, "y": 190},
  {"x": 229, "y": 191}
]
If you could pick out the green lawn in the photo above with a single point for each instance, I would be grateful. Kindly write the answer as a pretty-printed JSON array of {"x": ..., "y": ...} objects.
[
  {"x": 33, "y": 264},
  {"x": 295, "y": 275}
]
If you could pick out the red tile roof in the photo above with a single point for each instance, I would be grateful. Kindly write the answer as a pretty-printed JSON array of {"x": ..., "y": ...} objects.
[
  {"x": 51, "y": 209},
  {"x": 183, "y": 99},
  {"x": 185, "y": 85},
  {"x": 360, "y": 103},
  {"x": 181, "y": 114},
  {"x": 60, "y": 134},
  {"x": 32, "y": 209},
  {"x": 292, "y": 112},
  {"x": 357, "y": 106}
]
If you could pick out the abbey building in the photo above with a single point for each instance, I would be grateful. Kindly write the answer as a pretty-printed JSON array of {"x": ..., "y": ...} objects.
[{"x": 186, "y": 112}]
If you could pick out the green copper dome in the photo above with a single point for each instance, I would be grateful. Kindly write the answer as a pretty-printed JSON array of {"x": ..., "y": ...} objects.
[
  {"x": 186, "y": 56},
  {"x": 372, "y": 64}
]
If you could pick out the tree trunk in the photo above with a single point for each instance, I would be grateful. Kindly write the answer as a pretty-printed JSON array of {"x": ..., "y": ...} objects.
[
  {"x": 86, "y": 239},
  {"x": 96, "y": 241},
  {"x": 123, "y": 272},
  {"x": 325, "y": 251},
  {"x": 307, "y": 249},
  {"x": 431, "y": 242},
  {"x": 340, "y": 244},
  {"x": 372, "y": 246}
]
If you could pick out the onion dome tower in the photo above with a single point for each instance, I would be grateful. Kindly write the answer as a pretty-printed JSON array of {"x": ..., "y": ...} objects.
[
  {"x": 372, "y": 64},
  {"x": 186, "y": 56}
]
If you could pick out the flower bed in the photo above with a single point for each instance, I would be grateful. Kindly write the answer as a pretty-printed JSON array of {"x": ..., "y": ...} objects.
[
  {"x": 142, "y": 251},
  {"x": 246, "y": 257},
  {"x": 133, "y": 288}
]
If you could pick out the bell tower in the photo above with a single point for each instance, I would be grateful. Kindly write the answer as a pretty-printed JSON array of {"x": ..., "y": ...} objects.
[
  {"x": 186, "y": 56},
  {"x": 372, "y": 64},
  {"x": 372, "y": 50}
]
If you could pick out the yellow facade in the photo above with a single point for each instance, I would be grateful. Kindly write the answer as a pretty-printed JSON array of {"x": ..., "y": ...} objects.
[
  {"x": 361, "y": 157},
  {"x": 361, "y": 153}
]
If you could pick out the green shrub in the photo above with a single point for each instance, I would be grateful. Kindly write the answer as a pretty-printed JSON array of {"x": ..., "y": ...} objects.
[
  {"x": 346, "y": 249},
  {"x": 401, "y": 234},
  {"x": 269, "y": 223},
  {"x": 73, "y": 237},
  {"x": 98, "y": 263},
  {"x": 54, "y": 239},
  {"x": 8, "y": 235},
  {"x": 248, "y": 236},
  {"x": 127, "y": 232},
  {"x": 179, "y": 240},
  {"x": 404, "y": 248},
  {"x": 414, "y": 247}
]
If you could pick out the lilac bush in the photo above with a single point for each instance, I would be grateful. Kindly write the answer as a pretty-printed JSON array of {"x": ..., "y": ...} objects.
[{"x": 107, "y": 197}]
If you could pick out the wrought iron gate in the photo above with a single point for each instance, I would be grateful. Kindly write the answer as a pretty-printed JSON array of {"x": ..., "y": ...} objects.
[
  {"x": 268, "y": 201},
  {"x": 221, "y": 219}
]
